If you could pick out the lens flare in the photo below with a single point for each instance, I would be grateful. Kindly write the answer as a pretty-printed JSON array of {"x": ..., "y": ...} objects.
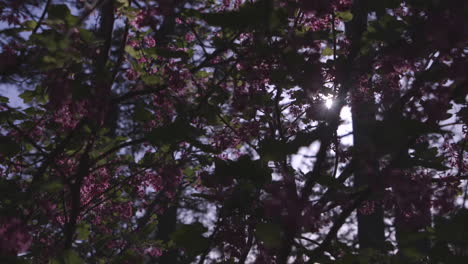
[{"x": 328, "y": 103}]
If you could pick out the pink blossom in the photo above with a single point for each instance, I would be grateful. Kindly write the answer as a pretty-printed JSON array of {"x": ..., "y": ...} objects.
[
  {"x": 14, "y": 237},
  {"x": 149, "y": 41},
  {"x": 137, "y": 22},
  {"x": 189, "y": 37},
  {"x": 153, "y": 251},
  {"x": 153, "y": 71},
  {"x": 131, "y": 74},
  {"x": 68, "y": 115},
  {"x": 142, "y": 60},
  {"x": 133, "y": 43},
  {"x": 126, "y": 210},
  {"x": 48, "y": 207}
]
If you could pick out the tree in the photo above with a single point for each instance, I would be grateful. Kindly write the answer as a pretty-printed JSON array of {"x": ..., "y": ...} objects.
[{"x": 169, "y": 131}]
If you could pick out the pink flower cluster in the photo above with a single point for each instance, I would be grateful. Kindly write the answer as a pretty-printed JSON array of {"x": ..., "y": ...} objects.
[
  {"x": 14, "y": 237},
  {"x": 149, "y": 41},
  {"x": 153, "y": 251},
  {"x": 95, "y": 185},
  {"x": 189, "y": 37},
  {"x": 131, "y": 74},
  {"x": 70, "y": 114}
]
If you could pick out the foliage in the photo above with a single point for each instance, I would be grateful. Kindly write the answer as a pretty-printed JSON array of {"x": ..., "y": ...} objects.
[{"x": 168, "y": 131}]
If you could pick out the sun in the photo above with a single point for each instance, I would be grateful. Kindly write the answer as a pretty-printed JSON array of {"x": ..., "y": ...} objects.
[{"x": 328, "y": 103}]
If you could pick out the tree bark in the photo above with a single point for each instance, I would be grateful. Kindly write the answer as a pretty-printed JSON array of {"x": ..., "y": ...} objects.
[
  {"x": 371, "y": 219},
  {"x": 166, "y": 226},
  {"x": 371, "y": 228}
]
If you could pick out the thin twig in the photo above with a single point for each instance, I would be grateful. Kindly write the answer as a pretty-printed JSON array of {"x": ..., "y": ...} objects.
[{"x": 39, "y": 22}]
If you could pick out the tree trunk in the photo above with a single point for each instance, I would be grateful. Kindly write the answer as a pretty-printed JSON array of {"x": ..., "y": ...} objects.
[
  {"x": 371, "y": 228},
  {"x": 166, "y": 226},
  {"x": 371, "y": 216}
]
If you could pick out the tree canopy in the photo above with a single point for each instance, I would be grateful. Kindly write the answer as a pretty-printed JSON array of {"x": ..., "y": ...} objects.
[{"x": 209, "y": 131}]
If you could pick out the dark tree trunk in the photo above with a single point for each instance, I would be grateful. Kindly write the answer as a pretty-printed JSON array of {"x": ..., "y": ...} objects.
[
  {"x": 166, "y": 226},
  {"x": 106, "y": 113},
  {"x": 371, "y": 228},
  {"x": 370, "y": 219}
]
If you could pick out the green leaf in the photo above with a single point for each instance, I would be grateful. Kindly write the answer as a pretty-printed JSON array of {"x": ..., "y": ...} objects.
[
  {"x": 175, "y": 132},
  {"x": 52, "y": 187},
  {"x": 272, "y": 149},
  {"x": 258, "y": 15},
  {"x": 33, "y": 111},
  {"x": 30, "y": 24},
  {"x": 328, "y": 181},
  {"x": 346, "y": 16},
  {"x": 327, "y": 51},
  {"x": 243, "y": 195},
  {"x": 12, "y": 259},
  {"x": 151, "y": 79},
  {"x": 123, "y": 3},
  {"x": 28, "y": 96},
  {"x": 47, "y": 39},
  {"x": 83, "y": 231},
  {"x": 132, "y": 52},
  {"x": 86, "y": 35},
  {"x": 269, "y": 234},
  {"x": 190, "y": 172},
  {"x": 254, "y": 171},
  {"x": 142, "y": 114},
  {"x": 411, "y": 253},
  {"x": 210, "y": 113},
  {"x": 190, "y": 238},
  {"x": 38, "y": 94},
  {"x": 8, "y": 146},
  {"x": 4, "y": 99},
  {"x": 167, "y": 53},
  {"x": 69, "y": 257},
  {"x": 61, "y": 13},
  {"x": 427, "y": 157}
]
